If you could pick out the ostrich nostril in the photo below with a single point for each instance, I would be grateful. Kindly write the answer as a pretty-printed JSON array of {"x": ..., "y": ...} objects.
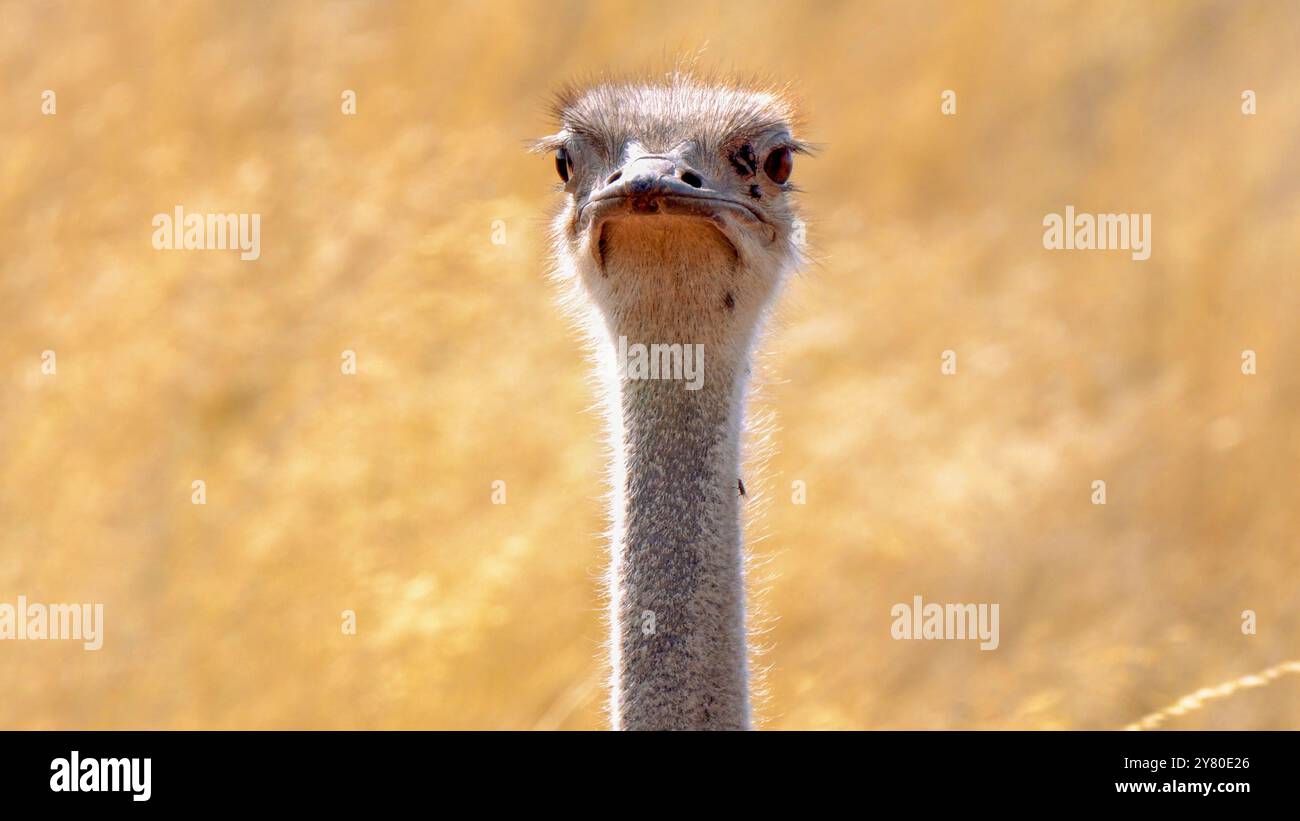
[
  {"x": 613, "y": 178},
  {"x": 692, "y": 179}
]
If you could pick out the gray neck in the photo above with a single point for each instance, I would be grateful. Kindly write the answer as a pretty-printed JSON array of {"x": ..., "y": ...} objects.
[{"x": 678, "y": 604}]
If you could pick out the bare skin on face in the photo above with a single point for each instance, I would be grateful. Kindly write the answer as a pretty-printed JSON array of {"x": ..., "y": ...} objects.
[{"x": 677, "y": 229}]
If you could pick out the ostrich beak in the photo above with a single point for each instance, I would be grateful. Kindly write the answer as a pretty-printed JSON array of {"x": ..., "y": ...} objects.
[{"x": 652, "y": 185}]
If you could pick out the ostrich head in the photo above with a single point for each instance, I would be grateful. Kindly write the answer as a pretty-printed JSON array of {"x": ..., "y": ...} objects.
[
  {"x": 678, "y": 221},
  {"x": 676, "y": 231}
]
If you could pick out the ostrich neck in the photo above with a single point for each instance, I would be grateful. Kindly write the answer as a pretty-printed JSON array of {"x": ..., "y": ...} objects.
[{"x": 678, "y": 609}]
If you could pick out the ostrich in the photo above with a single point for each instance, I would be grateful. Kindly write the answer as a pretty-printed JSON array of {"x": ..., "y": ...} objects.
[{"x": 675, "y": 235}]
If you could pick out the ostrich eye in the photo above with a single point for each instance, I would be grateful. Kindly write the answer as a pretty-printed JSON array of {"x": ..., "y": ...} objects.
[
  {"x": 563, "y": 163},
  {"x": 779, "y": 164}
]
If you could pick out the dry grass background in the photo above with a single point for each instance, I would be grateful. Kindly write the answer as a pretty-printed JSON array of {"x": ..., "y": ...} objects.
[{"x": 371, "y": 492}]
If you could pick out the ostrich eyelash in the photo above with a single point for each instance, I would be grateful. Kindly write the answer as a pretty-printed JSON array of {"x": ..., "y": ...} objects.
[{"x": 548, "y": 144}]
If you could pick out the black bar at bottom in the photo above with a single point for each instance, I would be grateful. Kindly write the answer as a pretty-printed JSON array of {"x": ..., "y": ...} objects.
[{"x": 333, "y": 770}]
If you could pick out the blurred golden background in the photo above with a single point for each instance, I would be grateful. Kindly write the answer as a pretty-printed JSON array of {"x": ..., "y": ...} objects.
[{"x": 372, "y": 492}]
